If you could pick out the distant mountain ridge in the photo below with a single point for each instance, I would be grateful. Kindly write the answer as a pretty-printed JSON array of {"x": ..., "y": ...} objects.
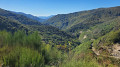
[
  {"x": 37, "y": 18},
  {"x": 31, "y": 16},
  {"x": 46, "y": 17}
]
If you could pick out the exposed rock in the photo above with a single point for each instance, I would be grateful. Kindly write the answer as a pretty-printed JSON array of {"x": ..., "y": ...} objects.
[
  {"x": 116, "y": 50},
  {"x": 85, "y": 36},
  {"x": 96, "y": 52},
  {"x": 112, "y": 51}
]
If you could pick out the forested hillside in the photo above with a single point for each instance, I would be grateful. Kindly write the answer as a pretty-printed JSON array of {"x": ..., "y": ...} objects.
[
  {"x": 82, "y": 39},
  {"x": 74, "y": 22},
  {"x": 49, "y": 33},
  {"x": 10, "y": 24}
]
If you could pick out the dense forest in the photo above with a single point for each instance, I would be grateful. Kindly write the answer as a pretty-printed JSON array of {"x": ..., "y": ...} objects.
[{"x": 81, "y": 39}]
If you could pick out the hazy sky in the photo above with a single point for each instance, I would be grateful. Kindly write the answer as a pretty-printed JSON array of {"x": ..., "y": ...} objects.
[{"x": 53, "y": 7}]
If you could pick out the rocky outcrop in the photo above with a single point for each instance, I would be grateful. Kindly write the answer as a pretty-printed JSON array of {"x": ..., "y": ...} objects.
[
  {"x": 116, "y": 50},
  {"x": 111, "y": 51}
]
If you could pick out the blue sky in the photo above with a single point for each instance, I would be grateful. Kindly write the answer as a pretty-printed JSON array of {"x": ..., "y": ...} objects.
[{"x": 53, "y": 7}]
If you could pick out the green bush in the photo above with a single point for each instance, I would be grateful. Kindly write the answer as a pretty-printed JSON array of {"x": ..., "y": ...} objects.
[{"x": 23, "y": 57}]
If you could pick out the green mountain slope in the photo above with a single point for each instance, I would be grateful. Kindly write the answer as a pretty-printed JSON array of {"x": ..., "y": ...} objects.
[
  {"x": 98, "y": 16},
  {"x": 99, "y": 30},
  {"x": 83, "y": 19},
  {"x": 10, "y": 25},
  {"x": 21, "y": 18}
]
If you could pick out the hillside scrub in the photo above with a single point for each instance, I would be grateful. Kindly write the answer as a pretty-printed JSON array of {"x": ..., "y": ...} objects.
[{"x": 24, "y": 50}]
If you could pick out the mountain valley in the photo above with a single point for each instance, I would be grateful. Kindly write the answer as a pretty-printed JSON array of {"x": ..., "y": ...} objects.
[{"x": 88, "y": 38}]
